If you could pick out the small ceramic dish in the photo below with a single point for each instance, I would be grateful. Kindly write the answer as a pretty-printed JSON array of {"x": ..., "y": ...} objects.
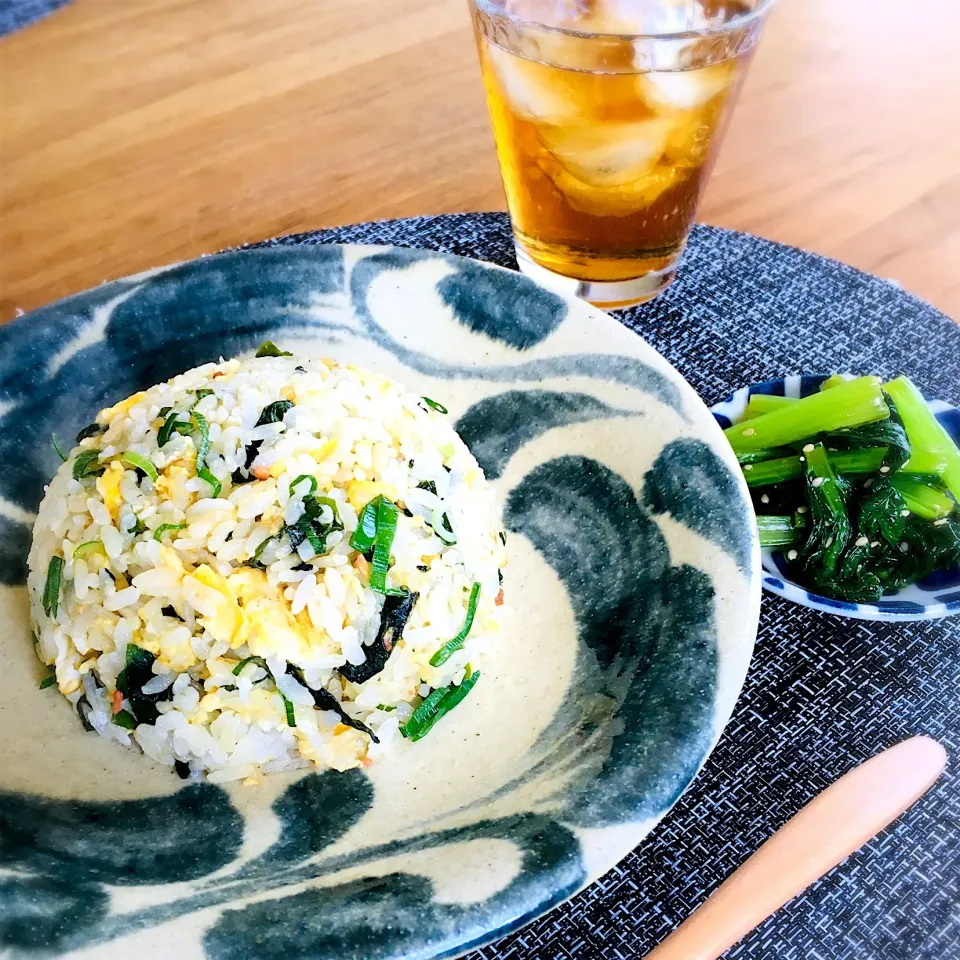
[
  {"x": 633, "y": 577},
  {"x": 936, "y": 596}
]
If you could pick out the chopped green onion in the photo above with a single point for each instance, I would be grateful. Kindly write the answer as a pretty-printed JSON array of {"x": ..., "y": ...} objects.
[
  {"x": 433, "y": 405},
  {"x": 452, "y": 646},
  {"x": 441, "y": 527},
  {"x": 200, "y": 394},
  {"x": 204, "y": 447},
  {"x": 171, "y": 424},
  {"x": 269, "y": 349},
  {"x": 311, "y": 536},
  {"x": 259, "y": 661},
  {"x": 83, "y": 549},
  {"x": 165, "y": 527},
  {"x": 435, "y": 707},
  {"x": 333, "y": 507},
  {"x": 261, "y": 546},
  {"x": 503, "y": 537},
  {"x": 215, "y": 486},
  {"x": 57, "y": 447},
  {"x": 366, "y": 532},
  {"x": 49, "y": 680},
  {"x": 125, "y": 719},
  {"x": 139, "y": 462},
  {"x": 87, "y": 464},
  {"x": 851, "y": 404},
  {"x": 311, "y": 480},
  {"x": 51, "y": 589},
  {"x": 288, "y": 707},
  {"x": 386, "y": 709},
  {"x": 387, "y": 518}
]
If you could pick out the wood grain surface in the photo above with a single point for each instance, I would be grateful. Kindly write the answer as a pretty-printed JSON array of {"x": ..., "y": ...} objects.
[{"x": 138, "y": 133}]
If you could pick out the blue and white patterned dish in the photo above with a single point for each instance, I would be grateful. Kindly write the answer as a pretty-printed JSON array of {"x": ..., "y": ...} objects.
[
  {"x": 634, "y": 576},
  {"x": 937, "y": 596}
]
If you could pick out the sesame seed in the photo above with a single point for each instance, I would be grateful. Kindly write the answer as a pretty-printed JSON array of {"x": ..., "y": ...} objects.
[
  {"x": 749, "y": 432},
  {"x": 818, "y": 481},
  {"x": 884, "y": 469},
  {"x": 904, "y": 547},
  {"x": 808, "y": 448},
  {"x": 765, "y": 498},
  {"x": 904, "y": 513},
  {"x": 941, "y": 522},
  {"x": 803, "y": 459},
  {"x": 748, "y": 466},
  {"x": 868, "y": 484},
  {"x": 862, "y": 541},
  {"x": 802, "y": 509},
  {"x": 829, "y": 542},
  {"x": 792, "y": 555},
  {"x": 876, "y": 543}
]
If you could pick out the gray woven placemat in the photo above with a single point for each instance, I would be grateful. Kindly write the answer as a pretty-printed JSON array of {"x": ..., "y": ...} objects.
[
  {"x": 823, "y": 692},
  {"x": 15, "y": 14}
]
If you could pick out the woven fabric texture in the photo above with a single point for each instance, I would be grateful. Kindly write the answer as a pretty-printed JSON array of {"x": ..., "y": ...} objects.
[
  {"x": 15, "y": 14},
  {"x": 823, "y": 693}
]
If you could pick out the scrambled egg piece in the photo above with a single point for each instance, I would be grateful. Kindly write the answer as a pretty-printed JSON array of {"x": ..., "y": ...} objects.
[
  {"x": 108, "y": 486},
  {"x": 269, "y": 626},
  {"x": 212, "y": 597},
  {"x": 361, "y": 492}
]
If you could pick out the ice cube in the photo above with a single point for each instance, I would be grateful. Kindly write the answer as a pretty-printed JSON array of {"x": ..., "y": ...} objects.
[
  {"x": 532, "y": 90},
  {"x": 617, "y": 201},
  {"x": 684, "y": 89},
  {"x": 610, "y": 154}
]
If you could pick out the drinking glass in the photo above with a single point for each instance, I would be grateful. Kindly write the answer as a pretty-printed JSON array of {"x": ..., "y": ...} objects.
[{"x": 607, "y": 116}]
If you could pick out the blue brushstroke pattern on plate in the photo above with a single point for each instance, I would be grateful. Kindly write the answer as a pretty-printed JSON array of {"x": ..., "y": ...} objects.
[{"x": 648, "y": 642}]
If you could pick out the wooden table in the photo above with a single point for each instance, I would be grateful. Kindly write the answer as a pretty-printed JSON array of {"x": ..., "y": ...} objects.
[{"x": 138, "y": 133}]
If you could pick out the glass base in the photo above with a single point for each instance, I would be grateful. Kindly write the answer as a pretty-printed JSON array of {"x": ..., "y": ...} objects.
[{"x": 605, "y": 294}]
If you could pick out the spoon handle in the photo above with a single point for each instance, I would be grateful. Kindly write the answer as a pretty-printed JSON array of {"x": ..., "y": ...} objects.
[{"x": 829, "y": 828}]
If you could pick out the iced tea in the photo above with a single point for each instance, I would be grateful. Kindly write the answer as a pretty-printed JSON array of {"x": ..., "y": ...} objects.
[{"x": 605, "y": 135}]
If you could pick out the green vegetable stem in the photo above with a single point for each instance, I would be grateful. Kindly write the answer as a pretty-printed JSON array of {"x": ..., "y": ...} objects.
[
  {"x": 927, "y": 436},
  {"x": 921, "y": 499},
  {"x": 848, "y": 405}
]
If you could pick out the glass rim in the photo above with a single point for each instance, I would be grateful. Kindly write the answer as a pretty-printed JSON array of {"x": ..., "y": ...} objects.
[{"x": 737, "y": 23}]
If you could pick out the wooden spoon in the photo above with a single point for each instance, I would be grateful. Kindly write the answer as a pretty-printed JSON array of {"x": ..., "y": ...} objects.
[{"x": 829, "y": 828}]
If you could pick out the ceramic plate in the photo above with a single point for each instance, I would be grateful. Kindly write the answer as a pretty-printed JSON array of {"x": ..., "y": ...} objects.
[
  {"x": 936, "y": 596},
  {"x": 633, "y": 575}
]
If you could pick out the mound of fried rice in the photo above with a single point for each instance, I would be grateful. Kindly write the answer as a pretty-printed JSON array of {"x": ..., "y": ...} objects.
[{"x": 216, "y": 615}]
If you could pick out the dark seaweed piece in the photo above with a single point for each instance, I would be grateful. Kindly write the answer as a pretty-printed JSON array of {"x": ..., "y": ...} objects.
[
  {"x": 300, "y": 369},
  {"x": 81, "y": 703},
  {"x": 133, "y": 676},
  {"x": 170, "y": 611},
  {"x": 242, "y": 474},
  {"x": 90, "y": 430},
  {"x": 429, "y": 486},
  {"x": 183, "y": 769},
  {"x": 393, "y": 618},
  {"x": 274, "y": 412},
  {"x": 304, "y": 568},
  {"x": 324, "y": 700},
  {"x": 422, "y": 567}
]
